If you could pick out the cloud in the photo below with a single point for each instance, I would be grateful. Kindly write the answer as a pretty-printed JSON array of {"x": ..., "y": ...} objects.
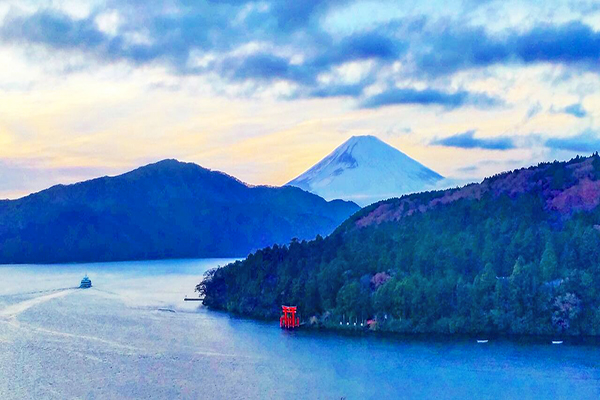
[
  {"x": 428, "y": 97},
  {"x": 458, "y": 48},
  {"x": 436, "y": 47},
  {"x": 341, "y": 90},
  {"x": 58, "y": 31},
  {"x": 574, "y": 42},
  {"x": 585, "y": 142},
  {"x": 362, "y": 46},
  {"x": 468, "y": 169},
  {"x": 467, "y": 140},
  {"x": 534, "y": 110},
  {"x": 575, "y": 110},
  {"x": 54, "y": 29},
  {"x": 294, "y": 15},
  {"x": 268, "y": 67},
  {"x": 420, "y": 45},
  {"x": 262, "y": 67},
  {"x": 171, "y": 39}
]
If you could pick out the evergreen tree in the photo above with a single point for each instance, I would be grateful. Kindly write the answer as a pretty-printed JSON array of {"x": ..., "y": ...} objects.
[{"x": 549, "y": 263}]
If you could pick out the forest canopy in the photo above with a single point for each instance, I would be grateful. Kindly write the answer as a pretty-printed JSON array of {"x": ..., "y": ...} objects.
[{"x": 515, "y": 254}]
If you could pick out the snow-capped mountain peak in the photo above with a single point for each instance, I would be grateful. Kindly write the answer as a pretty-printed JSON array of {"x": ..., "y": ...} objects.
[{"x": 365, "y": 169}]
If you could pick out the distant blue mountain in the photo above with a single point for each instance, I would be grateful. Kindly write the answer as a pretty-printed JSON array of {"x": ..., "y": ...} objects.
[{"x": 168, "y": 209}]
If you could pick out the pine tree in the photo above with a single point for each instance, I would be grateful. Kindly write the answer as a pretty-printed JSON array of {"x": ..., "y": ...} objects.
[{"x": 549, "y": 263}]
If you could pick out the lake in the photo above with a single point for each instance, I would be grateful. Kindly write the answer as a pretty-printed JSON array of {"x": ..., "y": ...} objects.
[{"x": 133, "y": 336}]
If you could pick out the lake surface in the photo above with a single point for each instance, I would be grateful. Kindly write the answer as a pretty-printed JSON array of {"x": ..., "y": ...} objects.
[{"x": 132, "y": 336}]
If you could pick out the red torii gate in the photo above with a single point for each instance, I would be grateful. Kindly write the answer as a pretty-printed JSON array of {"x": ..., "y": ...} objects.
[{"x": 289, "y": 320}]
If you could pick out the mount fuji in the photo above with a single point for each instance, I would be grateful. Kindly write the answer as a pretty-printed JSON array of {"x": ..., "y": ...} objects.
[{"x": 365, "y": 169}]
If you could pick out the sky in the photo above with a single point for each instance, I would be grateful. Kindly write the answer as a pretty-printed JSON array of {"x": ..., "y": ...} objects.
[{"x": 264, "y": 90}]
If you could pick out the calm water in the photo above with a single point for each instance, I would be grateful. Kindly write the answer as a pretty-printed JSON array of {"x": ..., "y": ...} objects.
[{"x": 132, "y": 336}]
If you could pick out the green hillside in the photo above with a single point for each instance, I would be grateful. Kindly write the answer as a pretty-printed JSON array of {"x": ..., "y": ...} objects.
[{"x": 518, "y": 253}]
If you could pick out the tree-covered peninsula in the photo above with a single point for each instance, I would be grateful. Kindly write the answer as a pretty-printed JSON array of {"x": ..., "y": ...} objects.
[{"x": 518, "y": 253}]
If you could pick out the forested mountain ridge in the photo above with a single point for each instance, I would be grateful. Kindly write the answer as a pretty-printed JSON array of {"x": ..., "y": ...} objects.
[
  {"x": 518, "y": 253},
  {"x": 566, "y": 190},
  {"x": 168, "y": 209}
]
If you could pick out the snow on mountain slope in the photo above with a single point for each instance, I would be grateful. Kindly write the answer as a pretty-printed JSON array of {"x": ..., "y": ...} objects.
[{"x": 364, "y": 169}]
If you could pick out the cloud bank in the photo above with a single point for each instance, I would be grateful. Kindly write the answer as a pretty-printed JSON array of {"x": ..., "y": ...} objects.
[{"x": 291, "y": 44}]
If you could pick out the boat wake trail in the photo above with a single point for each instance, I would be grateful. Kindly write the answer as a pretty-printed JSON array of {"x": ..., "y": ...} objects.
[
  {"x": 38, "y": 292},
  {"x": 10, "y": 313},
  {"x": 13, "y": 310},
  {"x": 107, "y": 291},
  {"x": 130, "y": 349}
]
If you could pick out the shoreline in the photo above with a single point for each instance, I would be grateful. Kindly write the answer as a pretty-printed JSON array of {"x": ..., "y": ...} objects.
[
  {"x": 141, "y": 260},
  {"x": 460, "y": 337},
  {"x": 351, "y": 331}
]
